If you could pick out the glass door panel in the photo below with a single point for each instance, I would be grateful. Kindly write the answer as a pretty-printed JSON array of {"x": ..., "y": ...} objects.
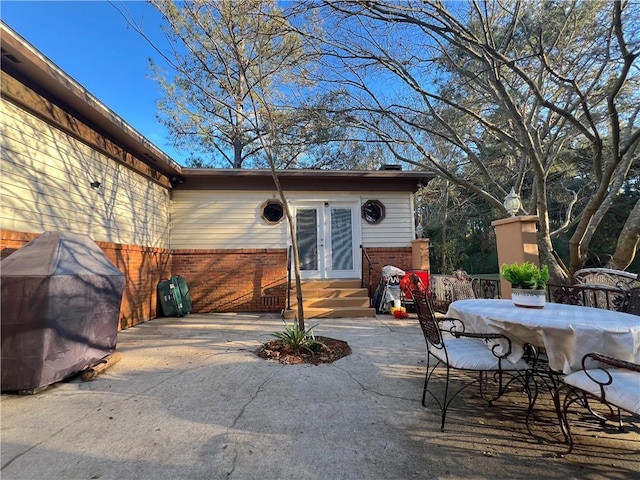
[
  {"x": 307, "y": 237},
  {"x": 341, "y": 239}
]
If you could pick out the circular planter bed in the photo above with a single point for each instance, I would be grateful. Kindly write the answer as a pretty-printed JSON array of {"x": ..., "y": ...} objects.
[{"x": 329, "y": 352}]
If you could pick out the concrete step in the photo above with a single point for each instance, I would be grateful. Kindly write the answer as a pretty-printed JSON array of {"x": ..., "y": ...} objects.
[
  {"x": 335, "y": 283},
  {"x": 332, "y": 299},
  {"x": 332, "y": 302},
  {"x": 314, "y": 292},
  {"x": 340, "y": 312}
]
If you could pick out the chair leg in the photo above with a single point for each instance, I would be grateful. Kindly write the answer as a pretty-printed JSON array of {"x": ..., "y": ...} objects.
[
  {"x": 531, "y": 387},
  {"x": 620, "y": 422},
  {"x": 562, "y": 410},
  {"x": 424, "y": 388},
  {"x": 602, "y": 419},
  {"x": 426, "y": 381},
  {"x": 482, "y": 382},
  {"x": 445, "y": 401},
  {"x": 443, "y": 405},
  {"x": 575, "y": 395}
]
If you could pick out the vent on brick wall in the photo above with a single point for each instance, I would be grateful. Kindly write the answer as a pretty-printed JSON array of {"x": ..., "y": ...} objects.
[{"x": 269, "y": 301}]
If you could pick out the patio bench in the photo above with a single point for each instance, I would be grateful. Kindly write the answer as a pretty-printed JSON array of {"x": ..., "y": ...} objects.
[{"x": 611, "y": 381}]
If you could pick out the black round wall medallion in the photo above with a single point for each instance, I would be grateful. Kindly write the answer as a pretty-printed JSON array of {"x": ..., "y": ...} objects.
[
  {"x": 373, "y": 211},
  {"x": 272, "y": 211}
]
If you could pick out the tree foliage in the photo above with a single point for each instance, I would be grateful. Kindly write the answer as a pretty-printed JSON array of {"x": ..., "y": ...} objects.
[
  {"x": 226, "y": 55},
  {"x": 543, "y": 96},
  {"x": 539, "y": 95}
]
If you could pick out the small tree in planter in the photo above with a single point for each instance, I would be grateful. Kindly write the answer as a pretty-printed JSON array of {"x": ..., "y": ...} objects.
[{"x": 528, "y": 282}]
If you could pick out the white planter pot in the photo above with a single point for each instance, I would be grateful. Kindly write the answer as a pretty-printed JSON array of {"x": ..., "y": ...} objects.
[{"x": 528, "y": 298}]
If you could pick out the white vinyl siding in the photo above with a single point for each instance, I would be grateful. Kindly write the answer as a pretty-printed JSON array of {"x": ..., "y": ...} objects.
[
  {"x": 232, "y": 219},
  {"x": 223, "y": 219},
  {"x": 46, "y": 177},
  {"x": 396, "y": 230}
]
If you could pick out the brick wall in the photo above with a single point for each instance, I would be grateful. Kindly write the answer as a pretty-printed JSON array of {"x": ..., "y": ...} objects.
[
  {"x": 219, "y": 280},
  {"x": 143, "y": 268},
  {"x": 11, "y": 241},
  {"x": 381, "y": 256},
  {"x": 239, "y": 280}
]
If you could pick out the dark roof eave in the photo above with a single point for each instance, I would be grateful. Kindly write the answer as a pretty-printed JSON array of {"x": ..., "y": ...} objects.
[{"x": 303, "y": 180}]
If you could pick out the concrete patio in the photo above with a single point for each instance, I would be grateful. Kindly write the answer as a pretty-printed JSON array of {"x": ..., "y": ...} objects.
[{"x": 190, "y": 400}]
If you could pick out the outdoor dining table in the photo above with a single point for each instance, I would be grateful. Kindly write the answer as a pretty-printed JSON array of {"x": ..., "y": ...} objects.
[{"x": 566, "y": 332}]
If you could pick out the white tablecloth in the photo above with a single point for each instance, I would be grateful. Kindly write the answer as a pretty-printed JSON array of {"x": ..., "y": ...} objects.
[{"x": 567, "y": 332}]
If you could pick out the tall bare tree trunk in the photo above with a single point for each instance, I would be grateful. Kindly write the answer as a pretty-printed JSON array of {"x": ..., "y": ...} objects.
[
  {"x": 628, "y": 241},
  {"x": 557, "y": 273},
  {"x": 443, "y": 252},
  {"x": 294, "y": 247}
]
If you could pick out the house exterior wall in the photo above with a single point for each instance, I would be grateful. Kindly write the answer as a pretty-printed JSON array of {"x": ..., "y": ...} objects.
[
  {"x": 224, "y": 219},
  {"x": 397, "y": 228},
  {"x": 255, "y": 280},
  {"x": 46, "y": 176},
  {"x": 400, "y": 257},
  {"x": 234, "y": 280},
  {"x": 56, "y": 139},
  {"x": 233, "y": 260}
]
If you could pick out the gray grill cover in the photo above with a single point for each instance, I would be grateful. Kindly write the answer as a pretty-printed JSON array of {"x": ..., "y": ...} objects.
[{"x": 60, "y": 309}]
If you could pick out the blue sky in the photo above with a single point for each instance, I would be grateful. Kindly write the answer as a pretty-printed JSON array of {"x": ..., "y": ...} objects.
[{"x": 92, "y": 43}]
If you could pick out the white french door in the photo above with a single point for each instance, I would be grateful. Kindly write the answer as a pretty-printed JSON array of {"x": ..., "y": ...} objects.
[{"x": 328, "y": 235}]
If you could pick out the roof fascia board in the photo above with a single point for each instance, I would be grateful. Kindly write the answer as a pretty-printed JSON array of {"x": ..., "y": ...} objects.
[{"x": 303, "y": 180}]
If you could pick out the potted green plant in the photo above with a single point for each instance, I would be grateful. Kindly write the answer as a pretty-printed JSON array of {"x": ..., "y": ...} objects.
[{"x": 528, "y": 283}]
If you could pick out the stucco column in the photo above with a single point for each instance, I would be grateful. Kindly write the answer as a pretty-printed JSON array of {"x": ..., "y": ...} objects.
[
  {"x": 420, "y": 254},
  {"x": 516, "y": 240}
]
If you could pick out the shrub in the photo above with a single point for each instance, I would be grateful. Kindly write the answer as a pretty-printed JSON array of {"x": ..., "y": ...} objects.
[
  {"x": 297, "y": 338},
  {"x": 525, "y": 275}
]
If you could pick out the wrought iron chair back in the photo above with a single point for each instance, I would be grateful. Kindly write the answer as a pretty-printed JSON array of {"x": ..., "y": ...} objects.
[
  {"x": 597, "y": 296},
  {"x": 486, "y": 288},
  {"x": 459, "y": 288},
  {"x": 426, "y": 313},
  {"x": 607, "y": 276},
  {"x": 445, "y": 289},
  {"x": 633, "y": 305}
]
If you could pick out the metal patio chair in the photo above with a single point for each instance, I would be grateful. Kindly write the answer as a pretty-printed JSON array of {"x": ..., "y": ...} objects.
[
  {"x": 607, "y": 276},
  {"x": 611, "y": 381},
  {"x": 587, "y": 295},
  {"x": 459, "y": 286},
  {"x": 449, "y": 345},
  {"x": 633, "y": 306},
  {"x": 445, "y": 289}
]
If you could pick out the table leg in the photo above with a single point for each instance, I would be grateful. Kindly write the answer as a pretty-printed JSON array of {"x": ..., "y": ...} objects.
[{"x": 540, "y": 376}]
